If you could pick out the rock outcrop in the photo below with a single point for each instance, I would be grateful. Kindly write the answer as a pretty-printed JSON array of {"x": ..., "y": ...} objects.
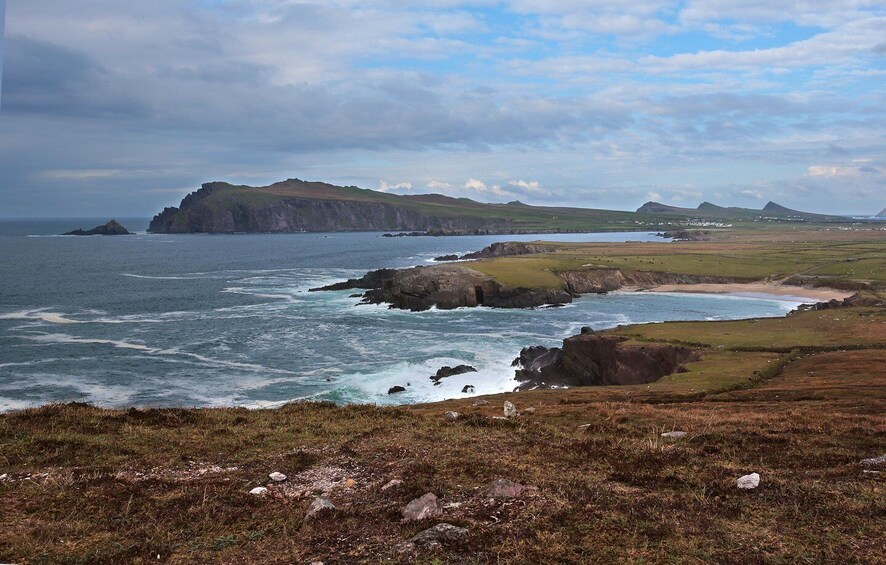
[
  {"x": 454, "y": 286},
  {"x": 502, "y": 249},
  {"x": 111, "y": 228},
  {"x": 592, "y": 359},
  {"x": 448, "y": 371},
  {"x": 446, "y": 287},
  {"x": 686, "y": 235}
]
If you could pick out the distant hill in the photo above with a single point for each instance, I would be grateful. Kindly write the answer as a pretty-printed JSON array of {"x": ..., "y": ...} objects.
[
  {"x": 708, "y": 210},
  {"x": 882, "y": 213},
  {"x": 295, "y": 205}
]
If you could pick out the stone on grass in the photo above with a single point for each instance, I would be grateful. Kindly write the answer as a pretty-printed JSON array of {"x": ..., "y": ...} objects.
[
  {"x": 749, "y": 481},
  {"x": 529, "y": 410},
  {"x": 874, "y": 461},
  {"x": 428, "y": 506},
  {"x": 674, "y": 435},
  {"x": 503, "y": 488},
  {"x": 451, "y": 416},
  {"x": 510, "y": 410},
  {"x": 393, "y": 483},
  {"x": 480, "y": 402},
  {"x": 259, "y": 491},
  {"x": 277, "y": 477},
  {"x": 319, "y": 505},
  {"x": 437, "y": 536}
]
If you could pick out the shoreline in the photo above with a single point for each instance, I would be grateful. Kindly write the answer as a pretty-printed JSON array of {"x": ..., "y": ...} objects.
[{"x": 744, "y": 289}]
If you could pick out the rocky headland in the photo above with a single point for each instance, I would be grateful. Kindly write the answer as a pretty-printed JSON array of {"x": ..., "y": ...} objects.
[
  {"x": 590, "y": 359},
  {"x": 111, "y": 228},
  {"x": 456, "y": 286}
]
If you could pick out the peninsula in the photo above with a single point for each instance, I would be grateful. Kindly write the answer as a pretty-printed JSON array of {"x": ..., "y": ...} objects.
[{"x": 300, "y": 206}]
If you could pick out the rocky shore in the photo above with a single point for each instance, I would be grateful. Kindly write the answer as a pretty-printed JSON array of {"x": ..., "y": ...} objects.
[
  {"x": 589, "y": 359},
  {"x": 456, "y": 286}
]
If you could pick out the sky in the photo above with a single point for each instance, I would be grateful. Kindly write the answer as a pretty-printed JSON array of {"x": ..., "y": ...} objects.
[{"x": 121, "y": 107}]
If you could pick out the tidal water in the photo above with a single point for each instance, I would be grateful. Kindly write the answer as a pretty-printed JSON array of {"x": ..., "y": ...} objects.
[{"x": 226, "y": 320}]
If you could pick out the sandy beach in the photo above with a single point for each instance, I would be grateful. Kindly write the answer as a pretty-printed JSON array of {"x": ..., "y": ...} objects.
[{"x": 816, "y": 294}]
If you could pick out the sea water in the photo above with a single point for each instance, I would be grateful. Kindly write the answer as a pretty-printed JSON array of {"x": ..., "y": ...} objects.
[{"x": 227, "y": 320}]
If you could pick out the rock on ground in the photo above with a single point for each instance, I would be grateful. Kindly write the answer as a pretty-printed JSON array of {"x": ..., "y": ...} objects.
[
  {"x": 480, "y": 402},
  {"x": 451, "y": 416},
  {"x": 394, "y": 483},
  {"x": 674, "y": 435},
  {"x": 749, "y": 481},
  {"x": 319, "y": 505},
  {"x": 277, "y": 477},
  {"x": 510, "y": 410},
  {"x": 428, "y": 506},
  {"x": 438, "y": 535},
  {"x": 503, "y": 488},
  {"x": 259, "y": 491},
  {"x": 874, "y": 461}
]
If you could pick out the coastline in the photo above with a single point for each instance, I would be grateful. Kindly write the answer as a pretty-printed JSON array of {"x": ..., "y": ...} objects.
[{"x": 755, "y": 289}]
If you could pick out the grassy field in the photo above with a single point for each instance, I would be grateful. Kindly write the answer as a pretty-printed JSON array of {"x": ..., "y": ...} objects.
[
  {"x": 800, "y": 400},
  {"x": 831, "y": 256}
]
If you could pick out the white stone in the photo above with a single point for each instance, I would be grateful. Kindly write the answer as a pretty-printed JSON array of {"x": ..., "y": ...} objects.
[
  {"x": 872, "y": 462},
  {"x": 749, "y": 481},
  {"x": 259, "y": 491},
  {"x": 510, "y": 410},
  {"x": 319, "y": 505},
  {"x": 451, "y": 416},
  {"x": 480, "y": 402},
  {"x": 675, "y": 435},
  {"x": 393, "y": 483},
  {"x": 277, "y": 477}
]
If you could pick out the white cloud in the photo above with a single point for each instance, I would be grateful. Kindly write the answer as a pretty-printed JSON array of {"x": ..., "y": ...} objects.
[
  {"x": 753, "y": 194},
  {"x": 385, "y": 186},
  {"x": 440, "y": 186},
  {"x": 528, "y": 186},
  {"x": 654, "y": 196}
]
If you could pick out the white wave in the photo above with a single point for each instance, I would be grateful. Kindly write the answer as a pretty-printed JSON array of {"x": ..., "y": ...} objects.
[
  {"x": 58, "y": 338},
  {"x": 45, "y": 361},
  {"x": 40, "y": 314},
  {"x": 159, "y": 278}
]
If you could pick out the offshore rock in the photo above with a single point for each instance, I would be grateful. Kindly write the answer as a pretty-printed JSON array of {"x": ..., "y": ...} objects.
[
  {"x": 111, "y": 228},
  {"x": 448, "y": 371}
]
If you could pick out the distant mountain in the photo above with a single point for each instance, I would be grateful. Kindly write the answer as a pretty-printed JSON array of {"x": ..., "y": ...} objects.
[
  {"x": 300, "y": 206},
  {"x": 882, "y": 213},
  {"x": 708, "y": 210}
]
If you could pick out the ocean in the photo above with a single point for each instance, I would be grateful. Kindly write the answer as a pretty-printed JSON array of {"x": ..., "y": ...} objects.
[{"x": 226, "y": 320}]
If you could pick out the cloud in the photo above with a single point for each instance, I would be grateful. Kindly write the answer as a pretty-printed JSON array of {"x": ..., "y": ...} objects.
[
  {"x": 582, "y": 96},
  {"x": 385, "y": 186}
]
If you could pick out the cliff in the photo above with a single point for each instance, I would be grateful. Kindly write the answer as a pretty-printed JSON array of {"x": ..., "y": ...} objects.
[
  {"x": 589, "y": 359},
  {"x": 300, "y": 206}
]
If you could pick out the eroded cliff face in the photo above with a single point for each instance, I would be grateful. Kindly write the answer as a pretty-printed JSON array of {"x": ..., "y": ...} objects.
[
  {"x": 590, "y": 359},
  {"x": 599, "y": 280}
]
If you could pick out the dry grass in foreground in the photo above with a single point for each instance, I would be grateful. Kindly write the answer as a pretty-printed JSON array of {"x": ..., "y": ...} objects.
[{"x": 91, "y": 485}]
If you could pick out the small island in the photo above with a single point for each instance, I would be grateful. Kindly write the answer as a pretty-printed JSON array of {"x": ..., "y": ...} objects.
[{"x": 111, "y": 228}]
